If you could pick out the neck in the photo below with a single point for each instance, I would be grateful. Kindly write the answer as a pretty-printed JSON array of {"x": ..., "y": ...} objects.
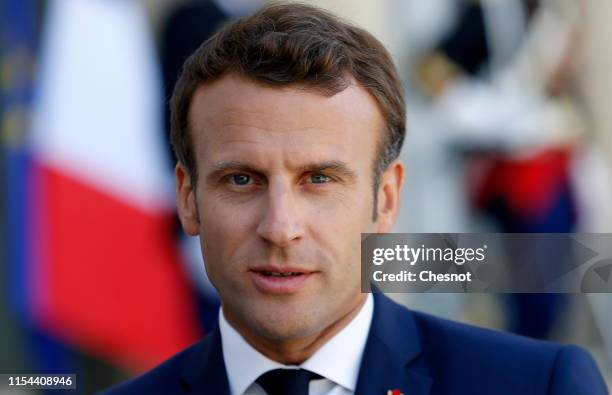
[{"x": 296, "y": 351}]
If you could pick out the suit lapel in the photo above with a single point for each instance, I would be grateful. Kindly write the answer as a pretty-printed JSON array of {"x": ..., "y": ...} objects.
[
  {"x": 204, "y": 372},
  {"x": 391, "y": 356}
]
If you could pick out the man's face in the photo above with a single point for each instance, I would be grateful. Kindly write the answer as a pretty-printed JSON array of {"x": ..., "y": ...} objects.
[{"x": 283, "y": 194}]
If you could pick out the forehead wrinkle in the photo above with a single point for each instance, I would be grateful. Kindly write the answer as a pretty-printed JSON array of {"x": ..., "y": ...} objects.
[
  {"x": 223, "y": 125},
  {"x": 271, "y": 127},
  {"x": 245, "y": 126},
  {"x": 277, "y": 131},
  {"x": 244, "y": 141}
]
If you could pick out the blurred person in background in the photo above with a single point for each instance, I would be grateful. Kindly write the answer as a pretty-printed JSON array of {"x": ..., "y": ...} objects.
[{"x": 503, "y": 91}]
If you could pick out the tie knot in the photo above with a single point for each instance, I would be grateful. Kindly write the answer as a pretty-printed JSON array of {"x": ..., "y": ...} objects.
[{"x": 287, "y": 381}]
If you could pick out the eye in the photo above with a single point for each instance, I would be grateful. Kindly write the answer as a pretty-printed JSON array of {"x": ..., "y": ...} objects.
[
  {"x": 319, "y": 178},
  {"x": 240, "y": 179}
]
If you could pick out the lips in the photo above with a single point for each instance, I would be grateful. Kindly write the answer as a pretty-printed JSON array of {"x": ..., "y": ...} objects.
[
  {"x": 280, "y": 280},
  {"x": 280, "y": 274}
]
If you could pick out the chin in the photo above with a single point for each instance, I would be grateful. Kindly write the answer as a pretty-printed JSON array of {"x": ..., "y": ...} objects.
[{"x": 286, "y": 326}]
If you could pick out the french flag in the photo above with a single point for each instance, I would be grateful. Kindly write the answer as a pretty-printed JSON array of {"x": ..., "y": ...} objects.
[{"x": 103, "y": 267}]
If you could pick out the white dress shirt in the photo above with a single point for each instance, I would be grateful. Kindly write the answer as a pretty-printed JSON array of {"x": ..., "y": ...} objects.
[{"x": 337, "y": 361}]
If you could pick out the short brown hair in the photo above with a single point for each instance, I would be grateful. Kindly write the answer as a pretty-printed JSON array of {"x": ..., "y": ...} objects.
[{"x": 287, "y": 44}]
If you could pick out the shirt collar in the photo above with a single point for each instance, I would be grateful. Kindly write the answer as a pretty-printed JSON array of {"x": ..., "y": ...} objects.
[{"x": 244, "y": 364}]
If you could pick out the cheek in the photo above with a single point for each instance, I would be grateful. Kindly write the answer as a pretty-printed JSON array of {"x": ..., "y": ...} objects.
[
  {"x": 338, "y": 226},
  {"x": 222, "y": 216},
  {"x": 223, "y": 230},
  {"x": 351, "y": 210}
]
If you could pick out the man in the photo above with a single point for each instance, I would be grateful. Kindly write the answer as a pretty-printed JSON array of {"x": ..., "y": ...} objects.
[{"x": 287, "y": 127}]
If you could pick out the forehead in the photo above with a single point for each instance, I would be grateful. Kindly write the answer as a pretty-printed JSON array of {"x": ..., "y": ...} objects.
[{"x": 235, "y": 115}]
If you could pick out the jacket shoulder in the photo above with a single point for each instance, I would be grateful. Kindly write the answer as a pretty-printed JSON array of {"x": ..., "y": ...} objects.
[
  {"x": 165, "y": 378},
  {"x": 495, "y": 359}
]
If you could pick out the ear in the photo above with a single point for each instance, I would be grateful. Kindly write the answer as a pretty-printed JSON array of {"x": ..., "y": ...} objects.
[
  {"x": 389, "y": 192},
  {"x": 185, "y": 201}
]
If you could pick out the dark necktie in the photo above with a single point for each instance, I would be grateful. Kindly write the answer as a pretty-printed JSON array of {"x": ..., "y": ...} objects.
[{"x": 287, "y": 381}]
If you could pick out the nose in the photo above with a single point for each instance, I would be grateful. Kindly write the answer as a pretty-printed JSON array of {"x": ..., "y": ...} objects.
[{"x": 281, "y": 223}]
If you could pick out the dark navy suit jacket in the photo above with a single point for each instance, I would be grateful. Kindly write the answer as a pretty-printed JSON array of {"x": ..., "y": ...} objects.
[{"x": 415, "y": 353}]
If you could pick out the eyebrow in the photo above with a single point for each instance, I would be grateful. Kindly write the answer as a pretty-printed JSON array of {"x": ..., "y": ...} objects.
[{"x": 335, "y": 166}]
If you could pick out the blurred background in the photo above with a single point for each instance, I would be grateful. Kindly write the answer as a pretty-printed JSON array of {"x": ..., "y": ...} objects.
[{"x": 509, "y": 130}]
